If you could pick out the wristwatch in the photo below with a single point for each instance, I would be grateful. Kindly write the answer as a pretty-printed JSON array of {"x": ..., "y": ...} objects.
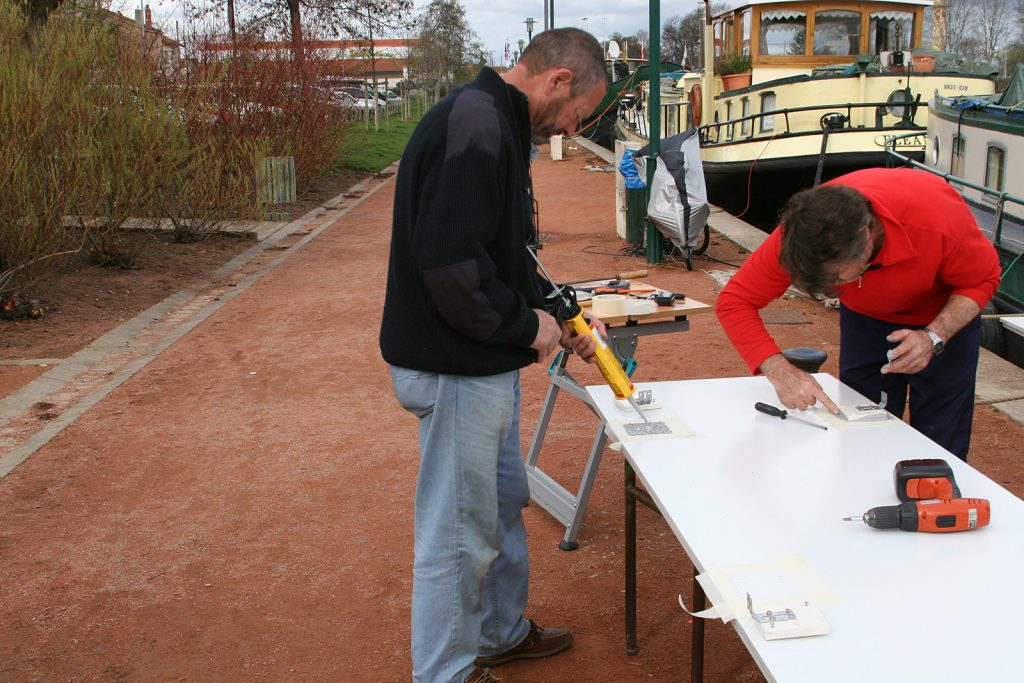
[{"x": 937, "y": 344}]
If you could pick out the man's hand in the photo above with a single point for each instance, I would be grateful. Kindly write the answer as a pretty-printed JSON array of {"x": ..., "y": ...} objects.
[
  {"x": 548, "y": 335},
  {"x": 913, "y": 354},
  {"x": 582, "y": 344},
  {"x": 794, "y": 387}
]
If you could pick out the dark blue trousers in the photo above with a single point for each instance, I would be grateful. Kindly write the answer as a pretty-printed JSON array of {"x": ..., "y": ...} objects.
[{"x": 941, "y": 396}]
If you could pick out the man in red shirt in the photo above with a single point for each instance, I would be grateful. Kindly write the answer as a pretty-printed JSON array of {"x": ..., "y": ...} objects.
[{"x": 912, "y": 271}]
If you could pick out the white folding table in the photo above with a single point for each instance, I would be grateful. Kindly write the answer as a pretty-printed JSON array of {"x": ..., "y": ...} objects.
[{"x": 746, "y": 488}]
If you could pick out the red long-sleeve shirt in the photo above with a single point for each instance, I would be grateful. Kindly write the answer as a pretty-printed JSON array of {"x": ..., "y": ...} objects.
[{"x": 933, "y": 249}]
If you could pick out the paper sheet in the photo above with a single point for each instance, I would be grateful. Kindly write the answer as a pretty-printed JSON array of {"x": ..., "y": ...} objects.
[
  {"x": 837, "y": 422},
  {"x": 787, "y": 583}
]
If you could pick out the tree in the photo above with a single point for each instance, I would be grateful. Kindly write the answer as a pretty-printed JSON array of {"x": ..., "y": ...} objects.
[
  {"x": 993, "y": 24},
  {"x": 447, "y": 48},
  {"x": 958, "y": 25},
  {"x": 643, "y": 39},
  {"x": 37, "y": 11},
  {"x": 684, "y": 35},
  {"x": 300, "y": 18},
  {"x": 1014, "y": 56}
]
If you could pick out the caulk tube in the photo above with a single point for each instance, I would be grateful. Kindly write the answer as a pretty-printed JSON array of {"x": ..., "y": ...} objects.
[{"x": 609, "y": 365}]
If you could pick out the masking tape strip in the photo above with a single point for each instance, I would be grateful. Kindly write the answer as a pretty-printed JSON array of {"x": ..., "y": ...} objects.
[{"x": 640, "y": 307}]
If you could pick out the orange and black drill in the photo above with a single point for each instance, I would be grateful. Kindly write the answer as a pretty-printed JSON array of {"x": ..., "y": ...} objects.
[{"x": 940, "y": 516}]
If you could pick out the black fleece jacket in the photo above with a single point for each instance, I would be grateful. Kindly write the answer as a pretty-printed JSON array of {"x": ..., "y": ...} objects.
[{"x": 460, "y": 281}]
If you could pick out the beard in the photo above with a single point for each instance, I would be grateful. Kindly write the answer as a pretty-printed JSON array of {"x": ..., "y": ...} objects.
[{"x": 544, "y": 123}]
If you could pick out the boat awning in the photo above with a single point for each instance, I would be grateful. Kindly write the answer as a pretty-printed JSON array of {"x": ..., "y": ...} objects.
[{"x": 1014, "y": 93}]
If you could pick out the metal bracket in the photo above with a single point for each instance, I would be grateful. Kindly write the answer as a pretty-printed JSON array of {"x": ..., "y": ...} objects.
[{"x": 769, "y": 617}]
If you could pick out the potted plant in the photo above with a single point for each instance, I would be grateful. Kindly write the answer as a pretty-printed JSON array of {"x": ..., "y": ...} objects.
[{"x": 735, "y": 71}]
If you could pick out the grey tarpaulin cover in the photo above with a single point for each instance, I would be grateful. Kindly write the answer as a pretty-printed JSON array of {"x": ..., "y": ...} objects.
[{"x": 679, "y": 197}]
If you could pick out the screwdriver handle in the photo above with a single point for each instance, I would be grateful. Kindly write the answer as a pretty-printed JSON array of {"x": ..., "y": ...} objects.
[{"x": 769, "y": 410}]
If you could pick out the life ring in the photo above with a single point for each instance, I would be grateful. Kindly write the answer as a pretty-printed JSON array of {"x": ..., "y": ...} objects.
[{"x": 696, "y": 105}]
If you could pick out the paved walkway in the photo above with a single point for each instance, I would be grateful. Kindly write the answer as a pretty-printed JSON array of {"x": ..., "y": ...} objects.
[{"x": 225, "y": 489}]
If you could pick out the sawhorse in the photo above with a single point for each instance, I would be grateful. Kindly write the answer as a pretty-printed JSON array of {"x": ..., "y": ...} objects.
[{"x": 622, "y": 338}]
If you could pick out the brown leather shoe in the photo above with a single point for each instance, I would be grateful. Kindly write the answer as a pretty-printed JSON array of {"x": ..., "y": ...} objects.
[
  {"x": 538, "y": 643},
  {"x": 481, "y": 676}
]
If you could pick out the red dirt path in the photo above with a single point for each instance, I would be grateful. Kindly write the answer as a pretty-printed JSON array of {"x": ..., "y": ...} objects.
[{"x": 242, "y": 507}]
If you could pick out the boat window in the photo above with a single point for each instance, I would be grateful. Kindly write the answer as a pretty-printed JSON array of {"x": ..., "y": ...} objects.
[
  {"x": 730, "y": 127},
  {"x": 837, "y": 32},
  {"x": 745, "y": 22},
  {"x": 783, "y": 32},
  {"x": 959, "y": 151},
  {"x": 768, "y": 104},
  {"x": 746, "y": 112},
  {"x": 890, "y": 31},
  {"x": 995, "y": 168}
]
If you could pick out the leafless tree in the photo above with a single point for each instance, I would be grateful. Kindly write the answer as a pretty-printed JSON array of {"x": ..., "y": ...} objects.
[
  {"x": 445, "y": 51},
  {"x": 684, "y": 35},
  {"x": 298, "y": 18},
  {"x": 38, "y": 11},
  {"x": 993, "y": 26},
  {"x": 958, "y": 20}
]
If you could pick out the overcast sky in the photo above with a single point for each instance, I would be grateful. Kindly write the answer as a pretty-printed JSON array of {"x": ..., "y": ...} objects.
[{"x": 497, "y": 20}]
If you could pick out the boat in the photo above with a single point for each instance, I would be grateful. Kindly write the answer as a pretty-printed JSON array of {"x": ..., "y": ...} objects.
[
  {"x": 828, "y": 83},
  {"x": 973, "y": 142}
]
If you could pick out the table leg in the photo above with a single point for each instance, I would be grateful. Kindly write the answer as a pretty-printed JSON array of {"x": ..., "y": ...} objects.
[
  {"x": 697, "y": 635},
  {"x": 631, "y": 648}
]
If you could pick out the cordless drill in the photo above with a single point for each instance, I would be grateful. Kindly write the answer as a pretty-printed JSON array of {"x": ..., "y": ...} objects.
[{"x": 940, "y": 516}]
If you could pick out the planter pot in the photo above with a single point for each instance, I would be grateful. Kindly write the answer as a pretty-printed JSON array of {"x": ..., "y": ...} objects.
[
  {"x": 734, "y": 81},
  {"x": 924, "y": 63}
]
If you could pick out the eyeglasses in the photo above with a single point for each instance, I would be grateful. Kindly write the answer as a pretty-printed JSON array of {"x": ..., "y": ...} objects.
[{"x": 849, "y": 271}]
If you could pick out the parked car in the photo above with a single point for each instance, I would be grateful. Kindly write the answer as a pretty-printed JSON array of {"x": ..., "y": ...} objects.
[
  {"x": 359, "y": 106},
  {"x": 394, "y": 100}
]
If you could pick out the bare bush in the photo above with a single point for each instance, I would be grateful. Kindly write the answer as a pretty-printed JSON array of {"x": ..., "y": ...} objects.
[
  {"x": 39, "y": 162},
  {"x": 99, "y": 143},
  {"x": 271, "y": 98}
]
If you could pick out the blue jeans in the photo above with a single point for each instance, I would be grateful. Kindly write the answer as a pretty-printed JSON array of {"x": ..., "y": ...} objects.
[
  {"x": 471, "y": 569},
  {"x": 941, "y": 396}
]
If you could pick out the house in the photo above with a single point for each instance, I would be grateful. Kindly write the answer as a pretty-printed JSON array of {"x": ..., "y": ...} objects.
[
  {"x": 161, "y": 49},
  {"x": 386, "y": 58}
]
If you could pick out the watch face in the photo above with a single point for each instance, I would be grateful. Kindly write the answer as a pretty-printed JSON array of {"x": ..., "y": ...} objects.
[{"x": 937, "y": 344}]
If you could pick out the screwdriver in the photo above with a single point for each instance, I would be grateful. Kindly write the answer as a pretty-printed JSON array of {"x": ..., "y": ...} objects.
[
  {"x": 780, "y": 413},
  {"x": 956, "y": 514}
]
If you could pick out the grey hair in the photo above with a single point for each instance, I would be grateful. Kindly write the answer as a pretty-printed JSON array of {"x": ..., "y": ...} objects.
[{"x": 573, "y": 49}]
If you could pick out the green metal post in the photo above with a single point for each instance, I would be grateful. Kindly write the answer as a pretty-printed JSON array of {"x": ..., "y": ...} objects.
[
  {"x": 551, "y": 13},
  {"x": 654, "y": 246}
]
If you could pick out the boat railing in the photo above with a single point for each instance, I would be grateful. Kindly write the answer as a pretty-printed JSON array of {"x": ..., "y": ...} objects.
[
  {"x": 835, "y": 118},
  {"x": 999, "y": 198},
  {"x": 673, "y": 119}
]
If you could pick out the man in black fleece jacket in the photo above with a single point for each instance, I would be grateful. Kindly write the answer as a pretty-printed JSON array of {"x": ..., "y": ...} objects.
[{"x": 464, "y": 312}]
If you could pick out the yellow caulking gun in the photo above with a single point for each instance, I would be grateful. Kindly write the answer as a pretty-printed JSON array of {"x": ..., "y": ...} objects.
[{"x": 571, "y": 312}]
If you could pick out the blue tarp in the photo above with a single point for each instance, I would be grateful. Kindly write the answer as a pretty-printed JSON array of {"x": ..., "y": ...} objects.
[{"x": 629, "y": 171}]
